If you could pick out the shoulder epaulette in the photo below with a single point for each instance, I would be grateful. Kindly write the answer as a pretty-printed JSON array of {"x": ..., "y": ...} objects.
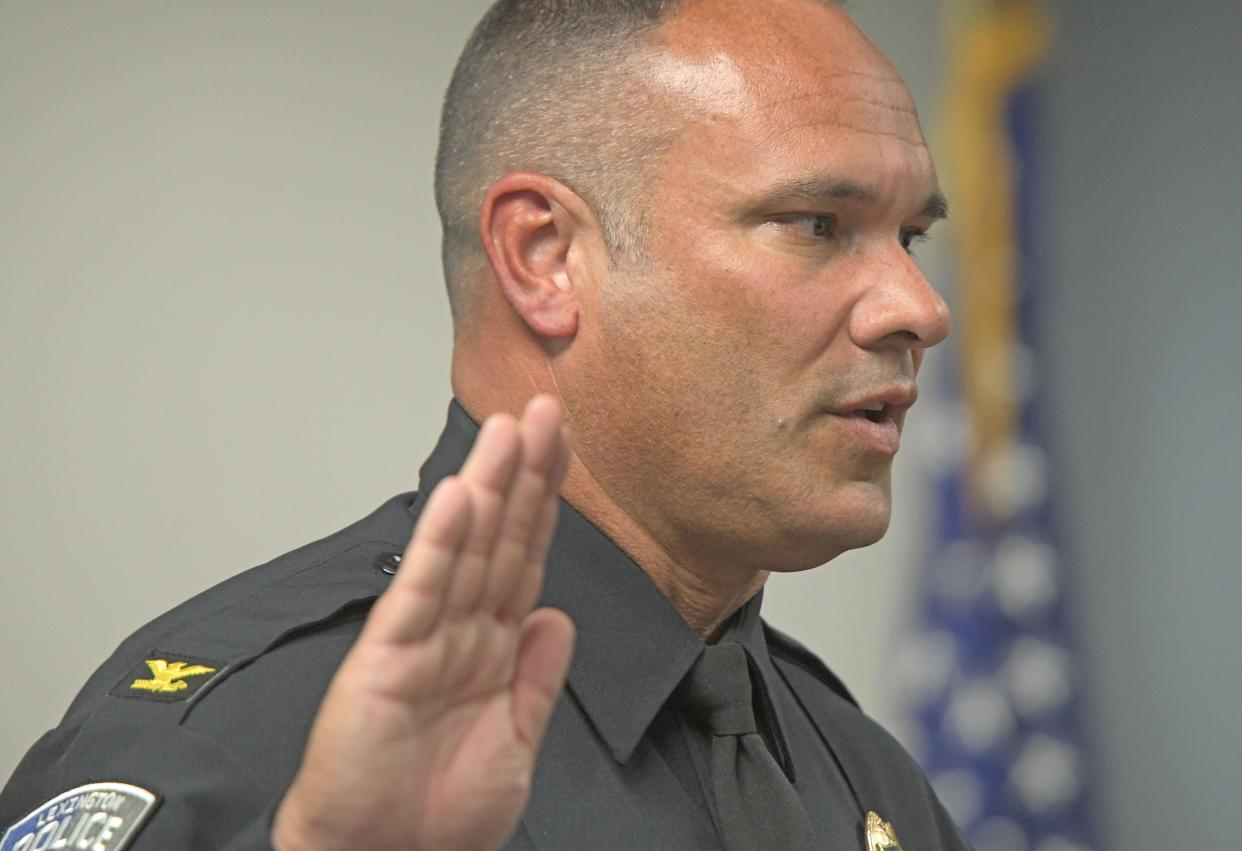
[
  {"x": 175, "y": 660},
  {"x": 791, "y": 650}
]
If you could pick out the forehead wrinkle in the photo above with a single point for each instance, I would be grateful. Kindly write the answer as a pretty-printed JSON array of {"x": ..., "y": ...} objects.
[
  {"x": 841, "y": 89},
  {"x": 846, "y": 109},
  {"x": 915, "y": 141},
  {"x": 829, "y": 96}
]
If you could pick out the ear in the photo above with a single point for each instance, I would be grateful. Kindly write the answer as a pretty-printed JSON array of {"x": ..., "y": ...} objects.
[{"x": 528, "y": 223}]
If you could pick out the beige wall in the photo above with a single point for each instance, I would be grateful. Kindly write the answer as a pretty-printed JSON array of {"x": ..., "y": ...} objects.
[{"x": 223, "y": 325}]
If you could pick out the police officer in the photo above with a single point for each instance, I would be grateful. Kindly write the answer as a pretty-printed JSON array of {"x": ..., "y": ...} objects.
[{"x": 680, "y": 230}]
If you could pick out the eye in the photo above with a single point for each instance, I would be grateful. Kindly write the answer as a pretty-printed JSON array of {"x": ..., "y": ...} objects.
[
  {"x": 812, "y": 225},
  {"x": 912, "y": 237}
]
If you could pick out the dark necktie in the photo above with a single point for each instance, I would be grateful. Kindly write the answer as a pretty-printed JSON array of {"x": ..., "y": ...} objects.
[{"x": 756, "y": 804}]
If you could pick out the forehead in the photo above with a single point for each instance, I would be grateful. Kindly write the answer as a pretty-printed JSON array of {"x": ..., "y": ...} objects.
[
  {"x": 791, "y": 79},
  {"x": 778, "y": 43}
]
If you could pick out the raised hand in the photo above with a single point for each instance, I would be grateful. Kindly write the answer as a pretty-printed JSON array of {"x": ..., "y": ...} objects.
[{"x": 427, "y": 736}]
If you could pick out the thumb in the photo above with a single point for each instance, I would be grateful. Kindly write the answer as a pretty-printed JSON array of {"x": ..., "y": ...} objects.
[{"x": 544, "y": 650}]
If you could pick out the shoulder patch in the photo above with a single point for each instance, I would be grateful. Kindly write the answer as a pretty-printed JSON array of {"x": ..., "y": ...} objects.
[
  {"x": 98, "y": 816},
  {"x": 168, "y": 677},
  {"x": 791, "y": 650}
]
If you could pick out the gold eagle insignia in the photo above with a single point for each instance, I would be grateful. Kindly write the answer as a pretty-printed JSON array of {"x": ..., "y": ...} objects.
[
  {"x": 880, "y": 834},
  {"x": 166, "y": 678}
]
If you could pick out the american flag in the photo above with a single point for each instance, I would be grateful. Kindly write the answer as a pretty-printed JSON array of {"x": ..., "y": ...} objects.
[{"x": 989, "y": 671}]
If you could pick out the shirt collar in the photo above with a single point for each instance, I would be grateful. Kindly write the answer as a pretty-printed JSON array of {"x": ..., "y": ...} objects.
[{"x": 633, "y": 647}]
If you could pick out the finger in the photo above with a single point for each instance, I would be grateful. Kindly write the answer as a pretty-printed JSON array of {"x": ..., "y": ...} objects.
[
  {"x": 544, "y": 651},
  {"x": 522, "y": 596},
  {"x": 541, "y": 436},
  {"x": 490, "y": 463},
  {"x": 488, "y": 473},
  {"x": 525, "y": 592},
  {"x": 415, "y": 599}
]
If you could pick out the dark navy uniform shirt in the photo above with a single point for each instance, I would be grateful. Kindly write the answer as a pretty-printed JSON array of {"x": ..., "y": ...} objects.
[{"x": 189, "y": 735}]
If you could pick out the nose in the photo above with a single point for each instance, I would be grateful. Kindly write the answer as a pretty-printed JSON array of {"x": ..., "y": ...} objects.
[{"x": 898, "y": 308}]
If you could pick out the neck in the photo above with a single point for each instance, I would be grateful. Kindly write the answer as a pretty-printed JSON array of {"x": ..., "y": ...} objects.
[
  {"x": 703, "y": 591},
  {"x": 704, "y": 594}
]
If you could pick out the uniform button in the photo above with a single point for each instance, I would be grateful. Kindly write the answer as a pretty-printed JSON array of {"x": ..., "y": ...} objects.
[{"x": 389, "y": 562}]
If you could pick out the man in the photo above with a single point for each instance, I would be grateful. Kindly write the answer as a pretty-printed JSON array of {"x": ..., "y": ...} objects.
[{"x": 683, "y": 229}]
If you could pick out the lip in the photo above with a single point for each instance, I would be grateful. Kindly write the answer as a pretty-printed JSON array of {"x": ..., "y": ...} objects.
[
  {"x": 896, "y": 400},
  {"x": 879, "y": 433},
  {"x": 882, "y": 438}
]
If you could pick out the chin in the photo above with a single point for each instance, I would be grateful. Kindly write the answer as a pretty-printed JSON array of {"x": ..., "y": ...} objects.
[
  {"x": 864, "y": 512},
  {"x": 849, "y": 521},
  {"x": 862, "y": 534},
  {"x": 808, "y": 547}
]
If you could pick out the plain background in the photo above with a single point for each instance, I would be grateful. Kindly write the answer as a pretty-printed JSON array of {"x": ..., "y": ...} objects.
[{"x": 223, "y": 333}]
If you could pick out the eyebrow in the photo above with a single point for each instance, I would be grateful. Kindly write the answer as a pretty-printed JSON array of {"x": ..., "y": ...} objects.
[{"x": 936, "y": 207}]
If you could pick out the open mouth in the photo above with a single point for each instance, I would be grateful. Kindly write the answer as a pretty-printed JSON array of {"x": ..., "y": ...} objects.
[
  {"x": 880, "y": 432},
  {"x": 877, "y": 415}
]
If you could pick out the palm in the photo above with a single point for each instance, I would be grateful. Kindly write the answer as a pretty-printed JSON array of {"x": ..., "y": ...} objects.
[{"x": 428, "y": 735}]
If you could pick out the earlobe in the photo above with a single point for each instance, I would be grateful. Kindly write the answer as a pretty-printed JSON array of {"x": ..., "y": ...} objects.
[{"x": 527, "y": 233}]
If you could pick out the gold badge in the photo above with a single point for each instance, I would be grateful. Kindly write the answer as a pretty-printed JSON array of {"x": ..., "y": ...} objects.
[
  {"x": 880, "y": 835},
  {"x": 166, "y": 678}
]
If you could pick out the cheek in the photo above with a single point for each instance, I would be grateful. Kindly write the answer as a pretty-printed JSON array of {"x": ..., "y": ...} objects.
[
  {"x": 731, "y": 289},
  {"x": 783, "y": 314}
]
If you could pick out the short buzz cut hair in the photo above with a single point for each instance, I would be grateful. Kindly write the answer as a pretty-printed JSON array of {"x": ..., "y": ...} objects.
[{"x": 548, "y": 86}]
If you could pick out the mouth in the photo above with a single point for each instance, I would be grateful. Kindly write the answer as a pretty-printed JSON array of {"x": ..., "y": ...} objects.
[
  {"x": 879, "y": 414},
  {"x": 874, "y": 421},
  {"x": 887, "y": 403},
  {"x": 876, "y": 431}
]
